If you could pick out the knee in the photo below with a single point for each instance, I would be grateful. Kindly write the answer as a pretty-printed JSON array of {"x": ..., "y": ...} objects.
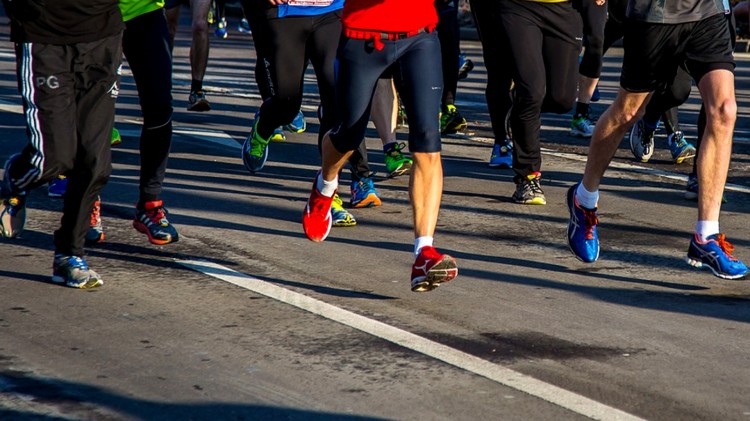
[
  {"x": 625, "y": 114},
  {"x": 200, "y": 27},
  {"x": 722, "y": 115},
  {"x": 157, "y": 115}
]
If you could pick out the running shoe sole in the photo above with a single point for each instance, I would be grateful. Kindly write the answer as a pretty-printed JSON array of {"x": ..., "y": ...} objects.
[{"x": 442, "y": 272}]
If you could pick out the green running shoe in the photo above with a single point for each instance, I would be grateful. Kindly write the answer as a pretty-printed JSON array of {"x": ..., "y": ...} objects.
[{"x": 395, "y": 162}]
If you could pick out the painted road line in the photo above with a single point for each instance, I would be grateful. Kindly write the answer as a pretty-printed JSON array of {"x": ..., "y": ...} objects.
[
  {"x": 623, "y": 166},
  {"x": 642, "y": 170},
  {"x": 213, "y": 136},
  {"x": 495, "y": 372}
]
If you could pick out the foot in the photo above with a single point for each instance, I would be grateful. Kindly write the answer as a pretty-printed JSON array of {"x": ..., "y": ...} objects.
[
  {"x": 316, "y": 218},
  {"x": 197, "y": 101},
  {"x": 298, "y": 125},
  {"x": 716, "y": 254},
  {"x": 583, "y": 239},
  {"x": 431, "y": 269},
  {"x": 57, "y": 187},
  {"x": 395, "y": 162},
  {"x": 255, "y": 150},
  {"x": 95, "y": 234},
  {"x": 341, "y": 217},
  {"x": 681, "y": 149},
  {"x": 529, "y": 190},
  {"x": 73, "y": 271},
  {"x": 502, "y": 155},
  {"x": 642, "y": 141},
  {"x": 451, "y": 120},
  {"x": 152, "y": 221},
  {"x": 581, "y": 126},
  {"x": 364, "y": 194}
]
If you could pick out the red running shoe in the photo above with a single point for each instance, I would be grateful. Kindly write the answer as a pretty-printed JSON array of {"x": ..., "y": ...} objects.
[
  {"x": 316, "y": 219},
  {"x": 432, "y": 269}
]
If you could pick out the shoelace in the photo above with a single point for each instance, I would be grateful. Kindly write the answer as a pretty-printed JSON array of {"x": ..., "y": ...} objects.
[
  {"x": 726, "y": 246},
  {"x": 96, "y": 215},
  {"x": 157, "y": 216},
  {"x": 395, "y": 150},
  {"x": 534, "y": 185},
  {"x": 77, "y": 263},
  {"x": 590, "y": 220},
  {"x": 15, "y": 205},
  {"x": 318, "y": 205}
]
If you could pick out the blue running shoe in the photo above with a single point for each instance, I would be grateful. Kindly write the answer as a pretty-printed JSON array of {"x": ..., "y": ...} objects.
[
  {"x": 681, "y": 149},
  {"x": 57, "y": 187},
  {"x": 583, "y": 240},
  {"x": 341, "y": 217},
  {"x": 298, "y": 125},
  {"x": 255, "y": 150},
  {"x": 716, "y": 254},
  {"x": 244, "y": 26},
  {"x": 364, "y": 194},
  {"x": 12, "y": 205},
  {"x": 74, "y": 272},
  {"x": 278, "y": 135},
  {"x": 502, "y": 155},
  {"x": 221, "y": 29}
]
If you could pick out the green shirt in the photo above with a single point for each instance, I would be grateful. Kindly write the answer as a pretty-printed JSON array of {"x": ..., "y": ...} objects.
[{"x": 133, "y": 8}]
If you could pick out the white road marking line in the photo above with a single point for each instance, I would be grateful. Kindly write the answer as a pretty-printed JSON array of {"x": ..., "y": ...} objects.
[
  {"x": 643, "y": 170},
  {"x": 505, "y": 376},
  {"x": 622, "y": 166}
]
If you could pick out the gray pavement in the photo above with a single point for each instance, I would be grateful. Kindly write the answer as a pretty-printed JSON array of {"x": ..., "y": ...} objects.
[{"x": 528, "y": 332}]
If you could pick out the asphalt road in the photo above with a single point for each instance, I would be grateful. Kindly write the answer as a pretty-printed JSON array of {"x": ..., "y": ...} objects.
[{"x": 244, "y": 318}]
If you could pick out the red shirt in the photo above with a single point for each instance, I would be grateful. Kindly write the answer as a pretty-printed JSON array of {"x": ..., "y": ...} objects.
[{"x": 389, "y": 15}]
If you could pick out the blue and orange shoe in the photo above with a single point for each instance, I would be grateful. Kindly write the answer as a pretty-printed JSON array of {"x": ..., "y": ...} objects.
[
  {"x": 364, "y": 194},
  {"x": 716, "y": 254},
  {"x": 152, "y": 221},
  {"x": 583, "y": 239}
]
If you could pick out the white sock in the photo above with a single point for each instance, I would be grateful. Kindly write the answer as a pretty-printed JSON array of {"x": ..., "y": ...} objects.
[
  {"x": 327, "y": 188},
  {"x": 422, "y": 242},
  {"x": 705, "y": 229},
  {"x": 586, "y": 198}
]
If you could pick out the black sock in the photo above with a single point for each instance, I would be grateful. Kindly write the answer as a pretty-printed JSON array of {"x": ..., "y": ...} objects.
[
  {"x": 582, "y": 110},
  {"x": 196, "y": 85}
]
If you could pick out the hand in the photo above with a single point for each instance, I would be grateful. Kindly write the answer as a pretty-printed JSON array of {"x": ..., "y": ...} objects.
[
  {"x": 278, "y": 2},
  {"x": 600, "y": 2}
]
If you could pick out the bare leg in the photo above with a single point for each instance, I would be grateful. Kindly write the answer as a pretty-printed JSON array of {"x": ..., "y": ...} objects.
[
  {"x": 627, "y": 109},
  {"x": 425, "y": 192},
  {"x": 586, "y": 86},
  {"x": 173, "y": 19},
  {"x": 199, "y": 48},
  {"x": 717, "y": 91},
  {"x": 333, "y": 160}
]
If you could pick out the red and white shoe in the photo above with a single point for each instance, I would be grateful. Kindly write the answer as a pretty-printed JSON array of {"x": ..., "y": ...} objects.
[
  {"x": 316, "y": 219},
  {"x": 432, "y": 269}
]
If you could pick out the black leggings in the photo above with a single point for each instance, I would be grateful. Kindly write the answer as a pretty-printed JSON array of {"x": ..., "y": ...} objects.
[
  {"x": 543, "y": 46},
  {"x": 498, "y": 62},
  {"x": 146, "y": 47},
  {"x": 448, "y": 33},
  {"x": 254, "y": 13},
  {"x": 360, "y": 67},
  {"x": 594, "y": 18}
]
